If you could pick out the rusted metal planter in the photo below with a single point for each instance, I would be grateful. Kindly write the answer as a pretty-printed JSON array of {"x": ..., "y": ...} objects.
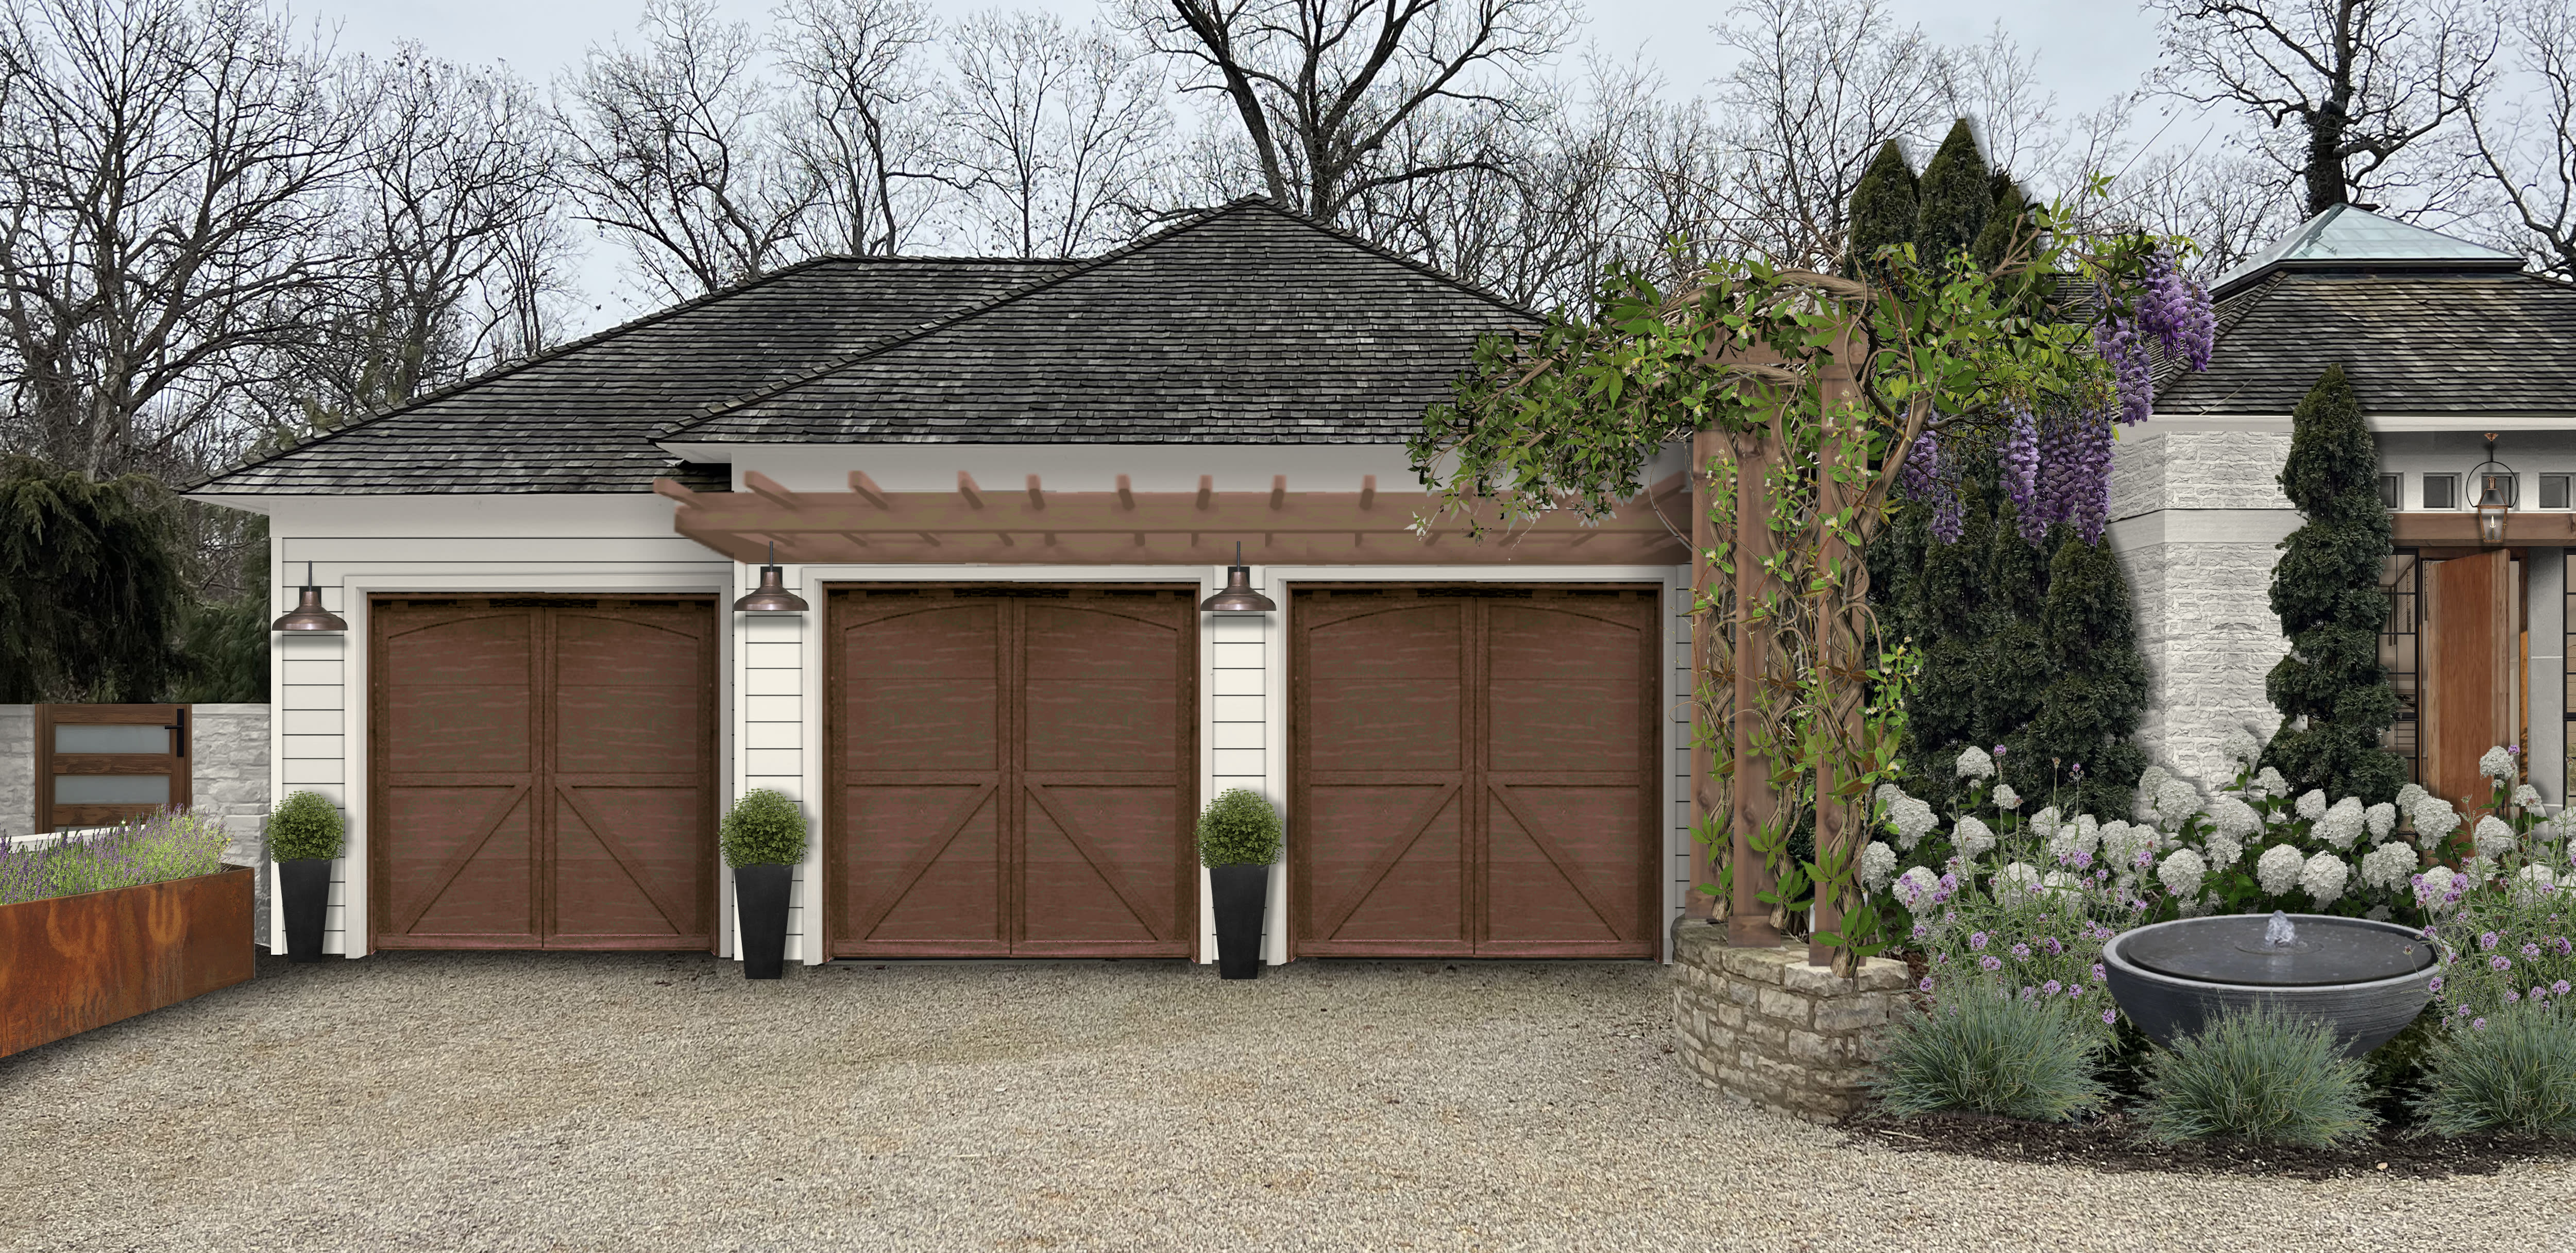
[{"x": 72, "y": 963}]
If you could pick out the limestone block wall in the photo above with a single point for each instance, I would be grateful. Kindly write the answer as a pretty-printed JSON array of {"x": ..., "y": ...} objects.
[
  {"x": 1765, "y": 1028},
  {"x": 2196, "y": 519},
  {"x": 17, "y": 770}
]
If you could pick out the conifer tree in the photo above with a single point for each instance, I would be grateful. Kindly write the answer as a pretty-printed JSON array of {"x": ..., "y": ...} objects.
[
  {"x": 1882, "y": 206},
  {"x": 1954, "y": 198},
  {"x": 2325, "y": 590},
  {"x": 2096, "y": 686}
]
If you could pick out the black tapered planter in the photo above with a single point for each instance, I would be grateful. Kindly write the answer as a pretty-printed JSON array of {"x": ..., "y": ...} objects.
[
  {"x": 760, "y": 902},
  {"x": 1240, "y": 894},
  {"x": 304, "y": 884}
]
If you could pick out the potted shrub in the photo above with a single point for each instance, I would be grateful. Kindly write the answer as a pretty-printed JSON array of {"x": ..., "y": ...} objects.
[
  {"x": 764, "y": 838},
  {"x": 1238, "y": 839},
  {"x": 305, "y": 835}
]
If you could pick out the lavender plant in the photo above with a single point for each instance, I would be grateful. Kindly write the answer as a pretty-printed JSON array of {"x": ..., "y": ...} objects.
[{"x": 170, "y": 844}]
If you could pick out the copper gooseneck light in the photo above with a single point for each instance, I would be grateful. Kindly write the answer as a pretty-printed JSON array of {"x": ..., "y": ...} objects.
[
  {"x": 308, "y": 615},
  {"x": 1238, "y": 595},
  {"x": 772, "y": 595}
]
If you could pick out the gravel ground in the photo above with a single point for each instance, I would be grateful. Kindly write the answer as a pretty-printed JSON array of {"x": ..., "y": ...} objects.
[{"x": 543, "y": 1101}]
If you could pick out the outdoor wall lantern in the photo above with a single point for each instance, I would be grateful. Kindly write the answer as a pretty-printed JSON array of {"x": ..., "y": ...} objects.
[
  {"x": 772, "y": 595},
  {"x": 2495, "y": 489},
  {"x": 308, "y": 615},
  {"x": 1238, "y": 595}
]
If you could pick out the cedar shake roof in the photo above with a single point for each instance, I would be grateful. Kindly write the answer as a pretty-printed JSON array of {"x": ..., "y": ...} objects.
[
  {"x": 1245, "y": 326},
  {"x": 580, "y": 418},
  {"x": 2412, "y": 343}
]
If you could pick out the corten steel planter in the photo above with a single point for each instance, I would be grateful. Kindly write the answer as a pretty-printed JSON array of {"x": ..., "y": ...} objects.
[
  {"x": 72, "y": 963},
  {"x": 304, "y": 888},
  {"x": 1239, "y": 893},
  {"x": 760, "y": 899},
  {"x": 2366, "y": 1007}
]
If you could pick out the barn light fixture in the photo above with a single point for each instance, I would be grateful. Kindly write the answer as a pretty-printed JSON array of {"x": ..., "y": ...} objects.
[
  {"x": 772, "y": 595},
  {"x": 1238, "y": 595},
  {"x": 308, "y": 615},
  {"x": 2495, "y": 482}
]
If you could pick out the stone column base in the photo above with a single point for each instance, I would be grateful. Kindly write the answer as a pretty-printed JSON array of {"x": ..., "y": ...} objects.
[{"x": 1765, "y": 1028}]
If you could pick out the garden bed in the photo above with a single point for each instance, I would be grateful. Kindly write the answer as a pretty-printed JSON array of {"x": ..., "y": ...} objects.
[
  {"x": 77, "y": 963},
  {"x": 2118, "y": 1143}
]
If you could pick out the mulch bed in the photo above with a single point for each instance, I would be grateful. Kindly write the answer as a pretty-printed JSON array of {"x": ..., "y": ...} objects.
[{"x": 2118, "y": 1143}]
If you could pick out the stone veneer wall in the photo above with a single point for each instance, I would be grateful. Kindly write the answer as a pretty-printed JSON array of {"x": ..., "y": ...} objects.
[
  {"x": 17, "y": 770},
  {"x": 1765, "y": 1028},
  {"x": 2196, "y": 518}
]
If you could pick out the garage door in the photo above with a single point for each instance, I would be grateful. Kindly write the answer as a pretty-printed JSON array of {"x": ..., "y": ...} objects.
[
  {"x": 1475, "y": 771},
  {"x": 1014, "y": 771},
  {"x": 543, "y": 772}
]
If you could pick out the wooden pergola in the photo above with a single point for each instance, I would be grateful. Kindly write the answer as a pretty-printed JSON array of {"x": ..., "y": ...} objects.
[{"x": 1033, "y": 525}]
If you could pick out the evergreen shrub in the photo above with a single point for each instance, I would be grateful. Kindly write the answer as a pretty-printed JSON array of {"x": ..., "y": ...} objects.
[
  {"x": 1986, "y": 1053},
  {"x": 2517, "y": 1073},
  {"x": 2258, "y": 1075},
  {"x": 1238, "y": 828},
  {"x": 305, "y": 825},
  {"x": 763, "y": 828}
]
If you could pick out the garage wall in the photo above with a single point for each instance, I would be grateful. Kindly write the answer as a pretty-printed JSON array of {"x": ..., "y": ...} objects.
[{"x": 773, "y": 748}]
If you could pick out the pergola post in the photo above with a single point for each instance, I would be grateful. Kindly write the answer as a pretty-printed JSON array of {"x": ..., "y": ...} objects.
[{"x": 1748, "y": 919}]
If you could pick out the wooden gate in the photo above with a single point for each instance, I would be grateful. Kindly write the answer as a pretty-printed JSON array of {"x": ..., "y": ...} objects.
[
  {"x": 1013, "y": 771},
  {"x": 101, "y": 764},
  {"x": 543, "y": 772},
  {"x": 1474, "y": 771}
]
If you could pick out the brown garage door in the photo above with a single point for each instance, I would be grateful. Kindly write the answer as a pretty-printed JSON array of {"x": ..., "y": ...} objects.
[
  {"x": 1014, "y": 771},
  {"x": 543, "y": 772},
  {"x": 1475, "y": 771}
]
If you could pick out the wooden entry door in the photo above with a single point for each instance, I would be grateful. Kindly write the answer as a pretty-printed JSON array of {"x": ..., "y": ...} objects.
[
  {"x": 543, "y": 772},
  {"x": 1475, "y": 772},
  {"x": 97, "y": 765},
  {"x": 2470, "y": 694},
  {"x": 1013, "y": 771}
]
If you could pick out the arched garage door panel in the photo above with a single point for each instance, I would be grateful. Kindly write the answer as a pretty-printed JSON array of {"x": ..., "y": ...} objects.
[{"x": 1475, "y": 771}]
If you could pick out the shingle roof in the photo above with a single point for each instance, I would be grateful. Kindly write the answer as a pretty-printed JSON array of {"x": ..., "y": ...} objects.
[
  {"x": 1246, "y": 325},
  {"x": 581, "y": 418},
  {"x": 2412, "y": 343}
]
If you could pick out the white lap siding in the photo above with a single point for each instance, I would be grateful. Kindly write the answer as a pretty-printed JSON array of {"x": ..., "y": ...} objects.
[
  {"x": 309, "y": 744},
  {"x": 781, "y": 685},
  {"x": 1244, "y": 720}
]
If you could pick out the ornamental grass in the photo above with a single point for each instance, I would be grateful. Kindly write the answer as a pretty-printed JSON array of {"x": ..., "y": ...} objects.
[
  {"x": 1993, "y": 1054},
  {"x": 2260, "y": 1075},
  {"x": 157, "y": 848},
  {"x": 2515, "y": 1073}
]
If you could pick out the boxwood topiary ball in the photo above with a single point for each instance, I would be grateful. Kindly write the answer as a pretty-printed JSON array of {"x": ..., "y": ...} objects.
[
  {"x": 764, "y": 828},
  {"x": 305, "y": 825},
  {"x": 1238, "y": 828}
]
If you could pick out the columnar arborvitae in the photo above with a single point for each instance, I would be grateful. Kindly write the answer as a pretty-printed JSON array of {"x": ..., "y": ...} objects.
[
  {"x": 2095, "y": 690},
  {"x": 1882, "y": 206},
  {"x": 1955, "y": 197},
  {"x": 2326, "y": 592}
]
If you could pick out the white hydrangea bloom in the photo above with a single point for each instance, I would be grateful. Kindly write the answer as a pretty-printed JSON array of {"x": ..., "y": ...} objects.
[
  {"x": 2182, "y": 872},
  {"x": 2269, "y": 785},
  {"x": 1975, "y": 764},
  {"x": 1915, "y": 887},
  {"x": 2234, "y": 818},
  {"x": 2435, "y": 820},
  {"x": 2219, "y": 851},
  {"x": 2526, "y": 798},
  {"x": 2044, "y": 824},
  {"x": 2016, "y": 882},
  {"x": 2061, "y": 881},
  {"x": 2143, "y": 807},
  {"x": 2341, "y": 825},
  {"x": 1912, "y": 818},
  {"x": 2388, "y": 866},
  {"x": 2324, "y": 877},
  {"x": 2122, "y": 842},
  {"x": 1877, "y": 865},
  {"x": 2497, "y": 764},
  {"x": 2493, "y": 837},
  {"x": 1972, "y": 838},
  {"x": 2312, "y": 805},
  {"x": 2278, "y": 869},
  {"x": 2382, "y": 819},
  {"x": 2411, "y": 795},
  {"x": 2532, "y": 881},
  {"x": 2073, "y": 843},
  {"x": 2176, "y": 800},
  {"x": 2006, "y": 798},
  {"x": 2241, "y": 747},
  {"x": 2437, "y": 886}
]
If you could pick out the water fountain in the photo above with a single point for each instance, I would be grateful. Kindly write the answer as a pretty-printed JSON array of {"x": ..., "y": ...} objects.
[{"x": 2366, "y": 979}]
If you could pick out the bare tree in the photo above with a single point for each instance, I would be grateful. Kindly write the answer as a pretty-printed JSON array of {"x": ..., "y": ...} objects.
[
  {"x": 2345, "y": 87},
  {"x": 2524, "y": 139},
  {"x": 1321, "y": 87},
  {"x": 675, "y": 151},
  {"x": 865, "y": 117},
  {"x": 1053, "y": 133},
  {"x": 167, "y": 180}
]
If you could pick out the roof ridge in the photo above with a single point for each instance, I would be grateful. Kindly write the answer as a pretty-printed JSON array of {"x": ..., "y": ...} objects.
[
  {"x": 672, "y": 429},
  {"x": 568, "y": 347}
]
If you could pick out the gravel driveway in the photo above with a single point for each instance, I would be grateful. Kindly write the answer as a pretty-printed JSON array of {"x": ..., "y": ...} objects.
[{"x": 539, "y": 1101}]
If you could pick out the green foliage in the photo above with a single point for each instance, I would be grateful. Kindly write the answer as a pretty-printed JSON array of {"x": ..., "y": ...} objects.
[
  {"x": 1986, "y": 1053},
  {"x": 2516, "y": 1074},
  {"x": 305, "y": 825},
  {"x": 1954, "y": 198},
  {"x": 92, "y": 586},
  {"x": 2094, "y": 691},
  {"x": 2258, "y": 1075},
  {"x": 1882, "y": 209},
  {"x": 2007, "y": 225},
  {"x": 1238, "y": 828},
  {"x": 2325, "y": 589},
  {"x": 223, "y": 652},
  {"x": 763, "y": 828},
  {"x": 156, "y": 848}
]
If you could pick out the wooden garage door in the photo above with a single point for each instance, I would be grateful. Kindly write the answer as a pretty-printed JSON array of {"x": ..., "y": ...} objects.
[
  {"x": 1475, "y": 771},
  {"x": 1014, "y": 771},
  {"x": 543, "y": 772}
]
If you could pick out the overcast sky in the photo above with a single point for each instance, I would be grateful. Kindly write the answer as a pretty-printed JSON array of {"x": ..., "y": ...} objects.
[{"x": 2091, "y": 52}]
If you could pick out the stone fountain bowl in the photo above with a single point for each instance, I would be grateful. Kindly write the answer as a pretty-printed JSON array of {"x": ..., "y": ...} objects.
[{"x": 2366, "y": 979}]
